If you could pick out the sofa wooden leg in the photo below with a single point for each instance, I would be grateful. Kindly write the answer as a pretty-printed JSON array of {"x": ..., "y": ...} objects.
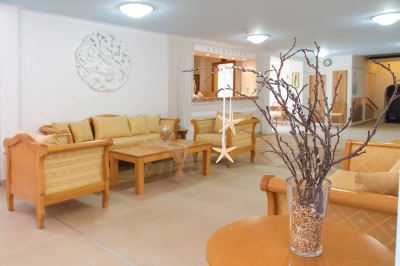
[
  {"x": 10, "y": 201},
  {"x": 252, "y": 155},
  {"x": 196, "y": 157},
  {"x": 40, "y": 213},
  {"x": 106, "y": 198}
]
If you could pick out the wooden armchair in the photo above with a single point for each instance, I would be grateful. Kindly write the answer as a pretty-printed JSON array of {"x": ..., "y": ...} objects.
[
  {"x": 46, "y": 175},
  {"x": 244, "y": 140},
  {"x": 370, "y": 213}
]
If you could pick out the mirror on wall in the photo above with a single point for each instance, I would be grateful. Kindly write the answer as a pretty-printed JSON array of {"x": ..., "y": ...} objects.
[{"x": 208, "y": 80}]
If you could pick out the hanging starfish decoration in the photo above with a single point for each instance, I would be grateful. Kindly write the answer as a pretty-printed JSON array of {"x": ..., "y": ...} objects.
[
  {"x": 224, "y": 151},
  {"x": 230, "y": 122}
]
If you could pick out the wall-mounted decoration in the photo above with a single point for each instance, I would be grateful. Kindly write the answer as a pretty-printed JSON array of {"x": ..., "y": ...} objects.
[
  {"x": 327, "y": 62},
  {"x": 296, "y": 79},
  {"x": 102, "y": 62}
]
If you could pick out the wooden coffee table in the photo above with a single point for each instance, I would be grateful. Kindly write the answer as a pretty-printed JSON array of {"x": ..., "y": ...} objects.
[
  {"x": 141, "y": 154},
  {"x": 265, "y": 241}
]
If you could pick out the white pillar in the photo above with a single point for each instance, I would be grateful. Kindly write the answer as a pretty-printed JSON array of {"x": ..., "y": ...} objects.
[{"x": 9, "y": 81}]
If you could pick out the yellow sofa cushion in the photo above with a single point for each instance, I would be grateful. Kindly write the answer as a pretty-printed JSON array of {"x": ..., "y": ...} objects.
[
  {"x": 61, "y": 126},
  {"x": 47, "y": 140},
  {"x": 111, "y": 127},
  {"x": 138, "y": 125},
  {"x": 81, "y": 131},
  {"x": 380, "y": 182},
  {"x": 218, "y": 121},
  {"x": 134, "y": 140},
  {"x": 153, "y": 123},
  {"x": 343, "y": 179}
]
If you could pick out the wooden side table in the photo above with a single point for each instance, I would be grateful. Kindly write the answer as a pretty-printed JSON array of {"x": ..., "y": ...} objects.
[
  {"x": 265, "y": 241},
  {"x": 181, "y": 133}
]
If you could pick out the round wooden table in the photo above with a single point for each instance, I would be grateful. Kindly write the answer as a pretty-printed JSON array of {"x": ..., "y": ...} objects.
[{"x": 265, "y": 241}]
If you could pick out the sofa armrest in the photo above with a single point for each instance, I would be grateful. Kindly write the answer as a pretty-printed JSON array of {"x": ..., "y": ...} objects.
[
  {"x": 363, "y": 200},
  {"x": 63, "y": 135},
  {"x": 202, "y": 126}
]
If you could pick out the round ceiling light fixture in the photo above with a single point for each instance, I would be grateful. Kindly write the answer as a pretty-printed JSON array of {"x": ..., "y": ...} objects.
[
  {"x": 136, "y": 9},
  {"x": 257, "y": 38},
  {"x": 387, "y": 18}
]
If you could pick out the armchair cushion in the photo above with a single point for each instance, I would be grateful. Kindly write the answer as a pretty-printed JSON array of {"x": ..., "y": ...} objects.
[
  {"x": 153, "y": 123},
  {"x": 111, "y": 127},
  {"x": 213, "y": 138},
  {"x": 42, "y": 139},
  {"x": 343, "y": 179},
  {"x": 396, "y": 167},
  {"x": 218, "y": 121},
  {"x": 138, "y": 125},
  {"x": 381, "y": 182},
  {"x": 81, "y": 131},
  {"x": 133, "y": 140}
]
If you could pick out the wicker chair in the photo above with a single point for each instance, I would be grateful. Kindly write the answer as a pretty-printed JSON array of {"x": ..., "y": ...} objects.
[
  {"x": 46, "y": 175},
  {"x": 370, "y": 213},
  {"x": 244, "y": 140}
]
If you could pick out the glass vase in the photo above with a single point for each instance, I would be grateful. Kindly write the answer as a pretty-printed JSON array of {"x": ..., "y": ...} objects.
[
  {"x": 306, "y": 208},
  {"x": 165, "y": 133}
]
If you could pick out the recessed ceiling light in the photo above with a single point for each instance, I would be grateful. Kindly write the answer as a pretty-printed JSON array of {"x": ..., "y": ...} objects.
[
  {"x": 257, "y": 38},
  {"x": 244, "y": 59},
  {"x": 232, "y": 58},
  {"x": 220, "y": 56},
  {"x": 386, "y": 19},
  {"x": 207, "y": 54},
  {"x": 136, "y": 10}
]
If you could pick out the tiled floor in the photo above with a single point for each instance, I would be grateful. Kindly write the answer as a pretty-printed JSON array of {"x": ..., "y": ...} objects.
[{"x": 168, "y": 225}]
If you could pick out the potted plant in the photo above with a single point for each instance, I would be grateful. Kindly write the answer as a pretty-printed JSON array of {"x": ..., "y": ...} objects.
[{"x": 315, "y": 137}]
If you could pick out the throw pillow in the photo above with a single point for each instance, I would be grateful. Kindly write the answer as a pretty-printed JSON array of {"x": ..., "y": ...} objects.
[
  {"x": 47, "y": 140},
  {"x": 153, "y": 123},
  {"x": 81, "y": 131},
  {"x": 381, "y": 182},
  {"x": 138, "y": 125},
  {"x": 396, "y": 167},
  {"x": 111, "y": 127}
]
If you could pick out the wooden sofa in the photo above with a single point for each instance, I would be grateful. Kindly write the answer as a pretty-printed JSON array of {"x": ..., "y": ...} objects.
[
  {"x": 118, "y": 142},
  {"x": 46, "y": 174},
  {"x": 370, "y": 213},
  {"x": 244, "y": 140}
]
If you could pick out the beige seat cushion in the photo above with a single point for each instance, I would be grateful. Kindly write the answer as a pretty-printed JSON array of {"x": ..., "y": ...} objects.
[
  {"x": 242, "y": 139},
  {"x": 343, "y": 179},
  {"x": 81, "y": 131},
  {"x": 380, "y": 182},
  {"x": 61, "y": 126},
  {"x": 138, "y": 125},
  {"x": 111, "y": 127},
  {"x": 134, "y": 140},
  {"x": 153, "y": 123},
  {"x": 213, "y": 138},
  {"x": 218, "y": 121}
]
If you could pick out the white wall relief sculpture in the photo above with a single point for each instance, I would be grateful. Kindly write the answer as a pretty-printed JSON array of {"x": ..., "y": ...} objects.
[{"x": 102, "y": 62}]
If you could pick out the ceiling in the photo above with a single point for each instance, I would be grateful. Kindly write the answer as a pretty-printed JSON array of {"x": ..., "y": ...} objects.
[{"x": 342, "y": 26}]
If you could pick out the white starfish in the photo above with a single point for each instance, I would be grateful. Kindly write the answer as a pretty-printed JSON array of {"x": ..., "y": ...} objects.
[
  {"x": 230, "y": 123},
  {"x": 224, "y": 152}
]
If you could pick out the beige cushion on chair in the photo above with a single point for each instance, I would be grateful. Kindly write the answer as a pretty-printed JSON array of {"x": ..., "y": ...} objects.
[
  {"x": 111, "y": 127},
  {"x": 381, "y": 182},
  {"x": 138, "y": 125},
  {"x": 214, "y": 138},
  {"x": 81, "y": 131},
  {"x": 153, "y": 123},
  {"x": 236, "y": 115},
  {"x": 47, "y": 140},
  {"x": 343, "y": 179}
]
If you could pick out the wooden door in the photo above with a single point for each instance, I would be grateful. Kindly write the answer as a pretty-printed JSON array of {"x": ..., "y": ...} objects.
[
  {"x": 340, "y": 104},
  {"x": 321, "y": 99}
]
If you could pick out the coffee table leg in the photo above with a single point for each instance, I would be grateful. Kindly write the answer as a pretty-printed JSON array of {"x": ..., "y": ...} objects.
[
  {"x": 113, "y": 171},
  {"x": 139, "y": 177},
  {"x": 206, "y": 162}
]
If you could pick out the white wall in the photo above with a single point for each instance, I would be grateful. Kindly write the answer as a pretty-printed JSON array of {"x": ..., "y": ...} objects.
[{"x": 51, "y": 90}]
